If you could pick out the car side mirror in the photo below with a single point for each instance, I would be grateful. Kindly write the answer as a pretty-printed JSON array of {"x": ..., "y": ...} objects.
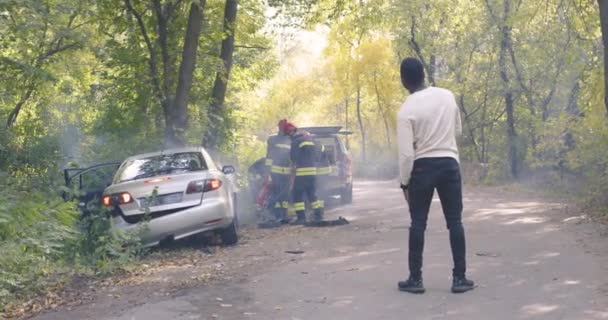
[{"x": 228, "y": 170}]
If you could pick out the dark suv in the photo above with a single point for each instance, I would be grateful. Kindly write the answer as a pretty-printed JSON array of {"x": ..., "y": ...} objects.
[{"x": 339, "y": 182}]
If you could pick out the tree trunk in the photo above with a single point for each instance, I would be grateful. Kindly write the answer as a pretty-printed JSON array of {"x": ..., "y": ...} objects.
[
  {"x": 484, "y": 141},
  {"x": 218, "y": 94},
  {"x": 432, "y": 70},
  {"x": 604, "y": 22},
  {"x": 505, "y": 43},
  {"x": 470, "y": 127},
  {"x": 346, "y": 121},
  {"x": 572, "y": 107},
  {"x": 163, "y": 42},
  {"x": 383, "y": 114},
  {"x": 176, "y": 132},
  {"x": 13, "y": 115},
  {"x": 361, "y": 129},
  {"x": 429, "y": 68}
]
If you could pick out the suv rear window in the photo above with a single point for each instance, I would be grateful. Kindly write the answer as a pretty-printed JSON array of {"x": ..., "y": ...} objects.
[
  {"x": 173, "y": 163},
  {"x": 332, "y": 150}
]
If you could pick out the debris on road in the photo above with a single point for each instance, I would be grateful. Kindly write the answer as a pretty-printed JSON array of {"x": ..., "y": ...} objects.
[
  {"x": 487, "y": 254},
  {"x": 341, "y": 221},
  {"x": 295, "y": 251}
]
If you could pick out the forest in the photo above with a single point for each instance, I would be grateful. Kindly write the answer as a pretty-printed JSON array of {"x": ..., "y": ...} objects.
[{"x": 88, "y": 81}]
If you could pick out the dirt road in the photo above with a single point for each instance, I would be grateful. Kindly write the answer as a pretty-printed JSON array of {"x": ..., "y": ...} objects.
[{"x": 531, "y": 259}]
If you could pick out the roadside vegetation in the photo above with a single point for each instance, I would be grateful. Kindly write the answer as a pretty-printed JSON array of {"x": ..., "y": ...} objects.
[{"x": 83, "y": 82}]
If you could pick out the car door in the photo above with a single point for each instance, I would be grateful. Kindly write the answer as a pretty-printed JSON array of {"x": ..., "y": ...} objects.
[
  {"x": 329, "y": 183},
  {"x": 89, "y": 182}
]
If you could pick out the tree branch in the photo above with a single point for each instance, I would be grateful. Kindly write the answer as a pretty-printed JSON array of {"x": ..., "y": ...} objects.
[
  {"x": 13, "y": 115},
  {"x": 491, "y": 12},
  {"x": 418, "y": 51},
  {"x": 57, "y": 50},
  {"x": 252, "y": 47}
]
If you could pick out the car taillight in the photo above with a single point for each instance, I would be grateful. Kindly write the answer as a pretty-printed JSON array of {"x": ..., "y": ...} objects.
[
  {"x": 116, "y": 199},
  {"x": 107, "y": 201},
  {"x": 203, "y": 186},
  {"x": 125, "y": 198}
]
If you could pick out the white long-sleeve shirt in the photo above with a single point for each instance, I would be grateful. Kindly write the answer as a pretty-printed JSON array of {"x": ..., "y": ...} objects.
[{"x": 427, "y": 126}]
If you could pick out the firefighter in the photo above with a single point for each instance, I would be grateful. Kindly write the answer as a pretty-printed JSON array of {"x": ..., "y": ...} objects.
[
  {"x": 304, "y": 156},
  {"x": 279, "y": 164}
]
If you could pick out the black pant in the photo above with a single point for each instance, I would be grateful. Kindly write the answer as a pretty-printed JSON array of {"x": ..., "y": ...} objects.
[
  {"x": 304, "y": 188},
  {"x": 280, "y": 195},
  {"x": 442, "y": 174}
]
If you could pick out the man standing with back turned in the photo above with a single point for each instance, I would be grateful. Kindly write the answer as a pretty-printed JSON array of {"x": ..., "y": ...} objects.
[{"x": 427, "y": 126}]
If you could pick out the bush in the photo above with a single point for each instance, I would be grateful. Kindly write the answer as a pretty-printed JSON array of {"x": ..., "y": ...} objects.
[
  {"x": 43, "y": 237},
  {"x": 36, "y": 231}
]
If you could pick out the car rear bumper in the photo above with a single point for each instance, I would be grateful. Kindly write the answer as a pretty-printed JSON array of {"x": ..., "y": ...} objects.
[{"x": 211, "y": 214}]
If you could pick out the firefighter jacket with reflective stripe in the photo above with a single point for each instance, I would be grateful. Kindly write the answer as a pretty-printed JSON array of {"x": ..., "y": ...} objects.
[
  {"x": 304, "y": 154},
  {"x": 278, "y": 156}
]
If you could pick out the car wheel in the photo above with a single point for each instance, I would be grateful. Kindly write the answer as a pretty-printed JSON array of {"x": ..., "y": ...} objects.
[
  {"x": 346, "y": 195},
  {"x": 235, "y": 210},
  {"x": 230, "y": 234}
]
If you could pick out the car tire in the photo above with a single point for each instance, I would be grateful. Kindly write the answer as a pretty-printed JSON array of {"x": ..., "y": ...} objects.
[
  {"x": 230, "y": 234},
  {"x": 346, "y": 195}
]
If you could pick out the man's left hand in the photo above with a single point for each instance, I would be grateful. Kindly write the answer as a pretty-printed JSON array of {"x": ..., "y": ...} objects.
[{"x": 406, "y": 193}]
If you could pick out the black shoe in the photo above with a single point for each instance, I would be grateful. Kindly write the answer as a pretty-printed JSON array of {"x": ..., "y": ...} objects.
[
  {"x": 284, "y": 221},
  {"x": 269, "y": 225},
  {"x": 412, "y": 285},
  {"x": 462, "y": 284},
  {"x": 299, "y": 222}
]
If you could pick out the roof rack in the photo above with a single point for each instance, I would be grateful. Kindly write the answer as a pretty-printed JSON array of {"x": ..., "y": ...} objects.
[{"x": 322, "y": 130}]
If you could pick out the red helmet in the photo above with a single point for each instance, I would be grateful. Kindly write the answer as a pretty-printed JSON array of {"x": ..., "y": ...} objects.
[{"x": 286, "y": 127}]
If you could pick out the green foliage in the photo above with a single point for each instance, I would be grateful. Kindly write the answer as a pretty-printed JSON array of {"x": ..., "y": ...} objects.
[
  {"x": 35, "y": 233},
  {"x": 103, "y": 248},
  {"x": 43, "y": 237}
]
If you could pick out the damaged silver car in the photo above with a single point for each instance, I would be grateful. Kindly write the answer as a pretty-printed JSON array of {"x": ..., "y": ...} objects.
[{"x": 176, "y": 192}]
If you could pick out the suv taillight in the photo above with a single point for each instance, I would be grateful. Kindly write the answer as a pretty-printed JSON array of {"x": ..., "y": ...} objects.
[
  {"x": 116, "y": 199},
  {"x": 199, "y": 186}
]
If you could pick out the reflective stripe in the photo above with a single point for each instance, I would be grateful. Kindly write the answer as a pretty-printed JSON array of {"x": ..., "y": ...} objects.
[
  {"x": 324, "y": 170},
  {"x": 319, "y": 204},
  {"x": 283, "y": 146},
  {"x": 310, "y": 171},
  {"x": 299, "y": 206},
  {"x": 285, "y": 205},
  {"x": 280, "y": 170},
  {"x": 306, "y": 143},
  {"x": 268, "y": 162}
]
